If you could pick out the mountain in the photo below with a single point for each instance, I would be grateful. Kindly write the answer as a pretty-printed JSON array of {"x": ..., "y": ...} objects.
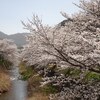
[
  {"x": 3, "y": 35},
  {"x": 18, "y": 38}
]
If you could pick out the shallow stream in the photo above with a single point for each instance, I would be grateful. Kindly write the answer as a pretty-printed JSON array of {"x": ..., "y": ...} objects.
[{"x": 18, "y": 89}]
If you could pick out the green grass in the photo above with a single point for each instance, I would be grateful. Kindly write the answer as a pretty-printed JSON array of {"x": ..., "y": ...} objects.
[
  {"x": 4, "y": 64},
  {"x": 70, "y": 72},
  {"x": 27, "y": 74},
  {"x": 91, "y": 76},
  {"x": 25, "y": 71},
  {"x": 49, "y": 89}
]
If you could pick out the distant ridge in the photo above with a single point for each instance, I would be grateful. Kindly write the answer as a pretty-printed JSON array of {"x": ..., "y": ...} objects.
[
  {"x": 18, "y": 38},
  {"x": 2, "y": 35}
]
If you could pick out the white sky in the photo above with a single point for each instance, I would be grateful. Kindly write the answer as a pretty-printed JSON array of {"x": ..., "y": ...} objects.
[{"x": 13, "y": 11}]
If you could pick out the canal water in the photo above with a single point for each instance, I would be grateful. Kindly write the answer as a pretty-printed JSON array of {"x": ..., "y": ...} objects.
[{"x": 18, "y": 89}]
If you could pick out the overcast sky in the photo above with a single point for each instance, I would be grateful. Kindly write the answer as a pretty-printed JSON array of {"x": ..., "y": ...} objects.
[{"x": 13, "y": 11}]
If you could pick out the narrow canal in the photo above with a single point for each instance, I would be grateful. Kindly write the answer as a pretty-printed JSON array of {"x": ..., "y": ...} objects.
[{"x": 18, "y": 89}]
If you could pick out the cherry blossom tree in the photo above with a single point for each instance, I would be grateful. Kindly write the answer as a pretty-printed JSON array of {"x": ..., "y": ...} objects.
[
  {"x": 76, "y": 42},
  {"x": 8, "y": 53}
]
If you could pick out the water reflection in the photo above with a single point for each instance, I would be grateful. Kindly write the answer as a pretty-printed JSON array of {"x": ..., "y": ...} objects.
[{"x": 18, "y": 89}]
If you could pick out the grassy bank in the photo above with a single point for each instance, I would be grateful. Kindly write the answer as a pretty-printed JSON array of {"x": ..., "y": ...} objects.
[
  {"x": 4, "y": 77},
  {"x": 35, "y": 92},
  {"x": 4, "y": 82},
  {"x": 38, "y": 96}
]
